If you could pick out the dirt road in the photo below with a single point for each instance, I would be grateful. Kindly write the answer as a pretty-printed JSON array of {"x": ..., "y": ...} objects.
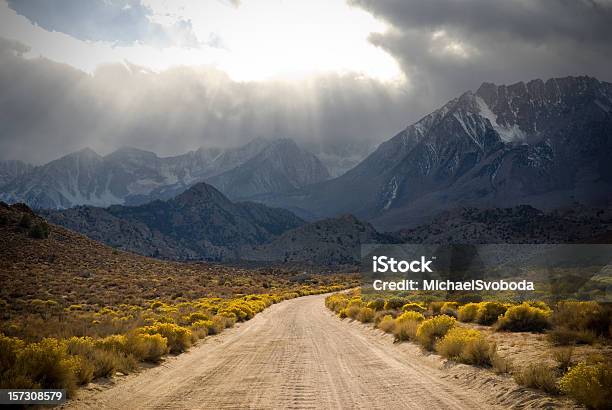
[{"x": 293, "y": 355}]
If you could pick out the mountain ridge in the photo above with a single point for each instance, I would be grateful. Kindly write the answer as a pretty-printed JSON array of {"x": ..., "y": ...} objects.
[
  {"x": 132, "y": 176},
  {"x": 539, "y": 143}
]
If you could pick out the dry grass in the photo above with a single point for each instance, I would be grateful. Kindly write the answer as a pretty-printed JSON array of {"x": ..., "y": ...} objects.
[
  {"x": 538, "y": 376},
  {"x": 73, "y": 310}
]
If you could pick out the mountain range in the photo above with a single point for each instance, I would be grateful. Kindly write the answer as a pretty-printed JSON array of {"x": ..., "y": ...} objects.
[
  {"x": 131, "y": 176},
  {"x": 200, "y": 223},
  {"x": 544, "y": 144},
  {"x": 524, "y": 163}
]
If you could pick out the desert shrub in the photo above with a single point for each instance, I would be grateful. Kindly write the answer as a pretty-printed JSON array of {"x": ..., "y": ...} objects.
[
  {"x": 105, "y": 356},
  {"x": 589, "y": 384},
  {"x": 489, "y": 312},
  {"x": 365, "y": 315},
  {"x": 500, "y": 364},
  {"x": 105, "y": 363},
  {"x": 463, "y": 298},
  {"x": 352, "y": 311},
  {"x": 478, "y": 352},
  {"x": 178, "y": 337},
  {"x": 376, "y": 304},
  {"x": 452, "y": 344},
  {"x": 48, "y": 365},
  {"x": 381, "y": 314},
  {"x": 145, "y": 347},
  {"x": 466, "y": 346},
  {"x": 205, "y": 328},
  {"x": 563, "y": 336},
  {"x": 429, "y": 331},
  {"x": 114, "y": 343},
  {"x": 467, "y": 312},
  {"x": 449, "y": 309},
  {"x": 413, "y": 307},
  {"x": 9, "y": 354},
  {"x": 336, "y": 302},
  {"x": 524, "y": 318},
  {"x": 195, "y": 317},
  {"x": 435, "y": 307},
  {"x": 239, "y": 309},
  {"x": 25, "y": 221},
  {"x": 563, "y": 357},
  {"x": 405, "y": 329},
  {"x": 9, "y": 349},
  {"x": 538, "y": 304},
  {"x": 387, "y": 324},
  {"x": 84, "y": 370},
  {"x": 220, "y": 323},
  {"x": 537, "y": 376},
  {"x": 395, "y": 303},
  {"x": 39, "y": 231},
  {"x": 410, "y": 315},
  {"x": 581, "y": 320}
]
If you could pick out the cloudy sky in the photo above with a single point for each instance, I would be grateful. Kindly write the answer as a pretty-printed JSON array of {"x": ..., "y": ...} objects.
[{"x": 337, "y": 76}]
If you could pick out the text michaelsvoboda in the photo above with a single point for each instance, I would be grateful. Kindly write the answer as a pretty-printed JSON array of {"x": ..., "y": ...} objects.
[{"x": 435, "y": 284}]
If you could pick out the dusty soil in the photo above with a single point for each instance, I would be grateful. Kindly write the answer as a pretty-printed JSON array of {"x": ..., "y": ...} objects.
[
  {"x": 524, "y": 348},
  {"x": 297, "y": 354}
]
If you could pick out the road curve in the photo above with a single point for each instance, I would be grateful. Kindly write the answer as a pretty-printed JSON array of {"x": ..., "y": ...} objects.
[{"x": 295, "y": 354}]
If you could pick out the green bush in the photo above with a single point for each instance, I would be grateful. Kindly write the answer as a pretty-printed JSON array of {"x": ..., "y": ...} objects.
[
  {"x": 376, "y": 304},
  {"x": 489, "y": 312},
  {"x": 39, "y": 231},
  {"x": 590, "y": 385},
  {"x": 524, "y": 318},
  {"x": 25, "y": 221},
  {"x": 467, "y": 312},
  {"x": 395, "y": 303},
  {"x": 429, "y": 331}
]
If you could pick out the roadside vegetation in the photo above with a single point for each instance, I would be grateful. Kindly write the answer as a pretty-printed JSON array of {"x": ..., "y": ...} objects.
[
  {"x": 73, "y": 310},
  {"x": 463, "y": 332}
]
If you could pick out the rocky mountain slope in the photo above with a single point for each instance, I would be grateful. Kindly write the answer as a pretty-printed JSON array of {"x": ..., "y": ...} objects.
[
  {"x": 334, "y": 241},
  {"x": 521, "y": 224},
  {"x": 199, "y": 223},
  {"x": 12, "y": 169},
  {"x": 131, "y": 176},
  {"x": 71, "y": 269},
  {"x": 545, "y": 144},
  {"x": 282, "y": 167}
]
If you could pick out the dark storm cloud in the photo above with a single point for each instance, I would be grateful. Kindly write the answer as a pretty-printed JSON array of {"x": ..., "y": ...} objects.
[
  {"x": 117, "y": 21},
  {"x": 445, "y": 47},
  {"x": 448, "y": 46},
  {"x": 48, "y": 109}
]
